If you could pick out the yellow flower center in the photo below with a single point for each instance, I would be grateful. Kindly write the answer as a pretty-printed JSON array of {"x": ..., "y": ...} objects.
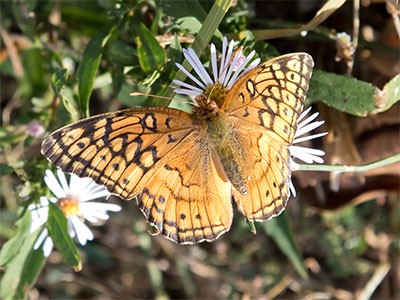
[
  {"x": 217, "y": 93},
  {"x": 69, "y": 205}
]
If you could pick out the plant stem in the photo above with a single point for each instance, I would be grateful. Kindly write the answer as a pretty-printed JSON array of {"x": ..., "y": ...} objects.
[{"x": 347, "y": 168}]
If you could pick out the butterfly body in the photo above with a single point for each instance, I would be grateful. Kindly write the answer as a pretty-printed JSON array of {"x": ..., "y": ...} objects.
[{"x": 184, "y": 169}]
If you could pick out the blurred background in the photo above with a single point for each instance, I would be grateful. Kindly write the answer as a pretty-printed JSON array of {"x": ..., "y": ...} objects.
[{"x": 345, "y": 227}]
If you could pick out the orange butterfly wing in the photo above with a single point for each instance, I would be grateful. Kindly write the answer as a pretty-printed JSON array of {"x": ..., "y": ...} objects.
[
  {"x": 263, "y": 107},
  {"x": 161, "y": 156}
]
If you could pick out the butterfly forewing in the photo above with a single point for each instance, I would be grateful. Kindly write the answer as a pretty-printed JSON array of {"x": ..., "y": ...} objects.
[{"x": 159, "y": 155}]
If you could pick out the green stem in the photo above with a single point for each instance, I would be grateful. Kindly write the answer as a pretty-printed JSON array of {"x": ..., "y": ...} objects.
[{"x": 347, "y": 168}]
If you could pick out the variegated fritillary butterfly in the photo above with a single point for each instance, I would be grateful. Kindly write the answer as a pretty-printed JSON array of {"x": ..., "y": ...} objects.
[{"x": 183, "y": 168}]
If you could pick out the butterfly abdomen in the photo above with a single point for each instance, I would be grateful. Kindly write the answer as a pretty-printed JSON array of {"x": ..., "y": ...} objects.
[{"x": 230, "y": 153}]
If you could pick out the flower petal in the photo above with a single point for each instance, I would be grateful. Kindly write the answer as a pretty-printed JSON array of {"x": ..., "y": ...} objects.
[
  {"x": 198, "y": 66},
  {"x": 83, "y": 232},
  {"x": 54, "y": 185},
  {"x": 48, "y": 246},
  {"x": 232, "y": 66},
  {"x": 100, "y": 206},
  {"x": 307, "y": 155},
  {"x": 42, "y": 236},
  {"x": 100, "y": 194},
  {"x": 309, "y": 137},
  {"x": 239, "y": 69},
  {"x": 63, "y": 180},
  {"x": 213, "y": 51},
  {"x": 180, "y": 67},
  {"x": 224, "y": 64},
  {"x": 308, "y": 128}
]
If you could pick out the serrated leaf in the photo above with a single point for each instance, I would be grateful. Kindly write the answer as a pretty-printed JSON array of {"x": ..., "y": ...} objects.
[
  {"x": 279, "y": 230},
  {"x": 344, "y": 93},
  {"x": 90, "y": 63},
  {"x": 151, "y": 54},
  {"x": 13, "y": 245},
  {"x": 58, "y": 230},
  {"x": 22, "y": 270},
  {"x": 58, "y": 80}
]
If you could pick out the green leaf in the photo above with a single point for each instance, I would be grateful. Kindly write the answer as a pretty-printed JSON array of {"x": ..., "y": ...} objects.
[
  {"x": 190, "y": 24},
  {"x": 58, "y": 80},
  {"x": 90, "y": 63},
  {"x": 25, "y": 20},
  {"x": 151, "y": 54},
  {"x": 344, "y": 93},
  {"x": 121, "y": 53},
  {"x": 182, "y": 9},
  {"x": 132, "y": 101},
  {"x": 57, "y": 226},
  {"x": 209, "y": 28},
  {"x": 279, "y": 230},
  {"x": 175, "y": 50},
  {"x": 22, "y": 270},
  {"x": 5, "y": 170},
  {"x": 174, "y": 55},
  {"x": 11, "y": 135},
  {"x": 389, "y": 95},
  {"x": 252, "y": 226},
  {"x": 13, "y": 245},
  {"x": 34, "y": 79}
]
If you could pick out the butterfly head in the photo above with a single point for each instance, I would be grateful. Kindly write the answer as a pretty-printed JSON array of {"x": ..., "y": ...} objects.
[{"x": 210, "y": 101}]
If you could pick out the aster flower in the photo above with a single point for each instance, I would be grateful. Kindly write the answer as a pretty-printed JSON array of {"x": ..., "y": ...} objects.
[
  {"x": 233, "y": 66},
  {"x": 73, "y": 199},
  {"x": 226, "y": 75}
]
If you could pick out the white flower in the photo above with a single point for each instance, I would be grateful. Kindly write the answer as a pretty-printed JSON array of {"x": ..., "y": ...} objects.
[
  {"x": 73, "y": 199},
  {"x": 233, "y": 65},
  {"x": 307, "y": 155}
]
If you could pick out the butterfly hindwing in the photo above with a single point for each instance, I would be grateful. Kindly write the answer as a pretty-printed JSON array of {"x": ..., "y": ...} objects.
[
  {"x": 268, "y": 175},
  {"x": 188, "y": 199},
  {"x": 263, "y": 107}
]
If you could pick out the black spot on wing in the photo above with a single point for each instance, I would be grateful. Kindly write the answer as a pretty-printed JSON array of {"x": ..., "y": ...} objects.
[
  {"x": 171, "y": 139},
  {"x": 149, "y": 122}
]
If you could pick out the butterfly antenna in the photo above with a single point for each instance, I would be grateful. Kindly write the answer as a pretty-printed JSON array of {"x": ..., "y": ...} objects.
[
  {"x": 149, "y": 95},
  {"x": 154, "y": 96}
]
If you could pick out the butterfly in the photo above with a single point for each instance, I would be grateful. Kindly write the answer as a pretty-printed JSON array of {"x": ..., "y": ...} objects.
[{"x": 183, "y": 168}]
